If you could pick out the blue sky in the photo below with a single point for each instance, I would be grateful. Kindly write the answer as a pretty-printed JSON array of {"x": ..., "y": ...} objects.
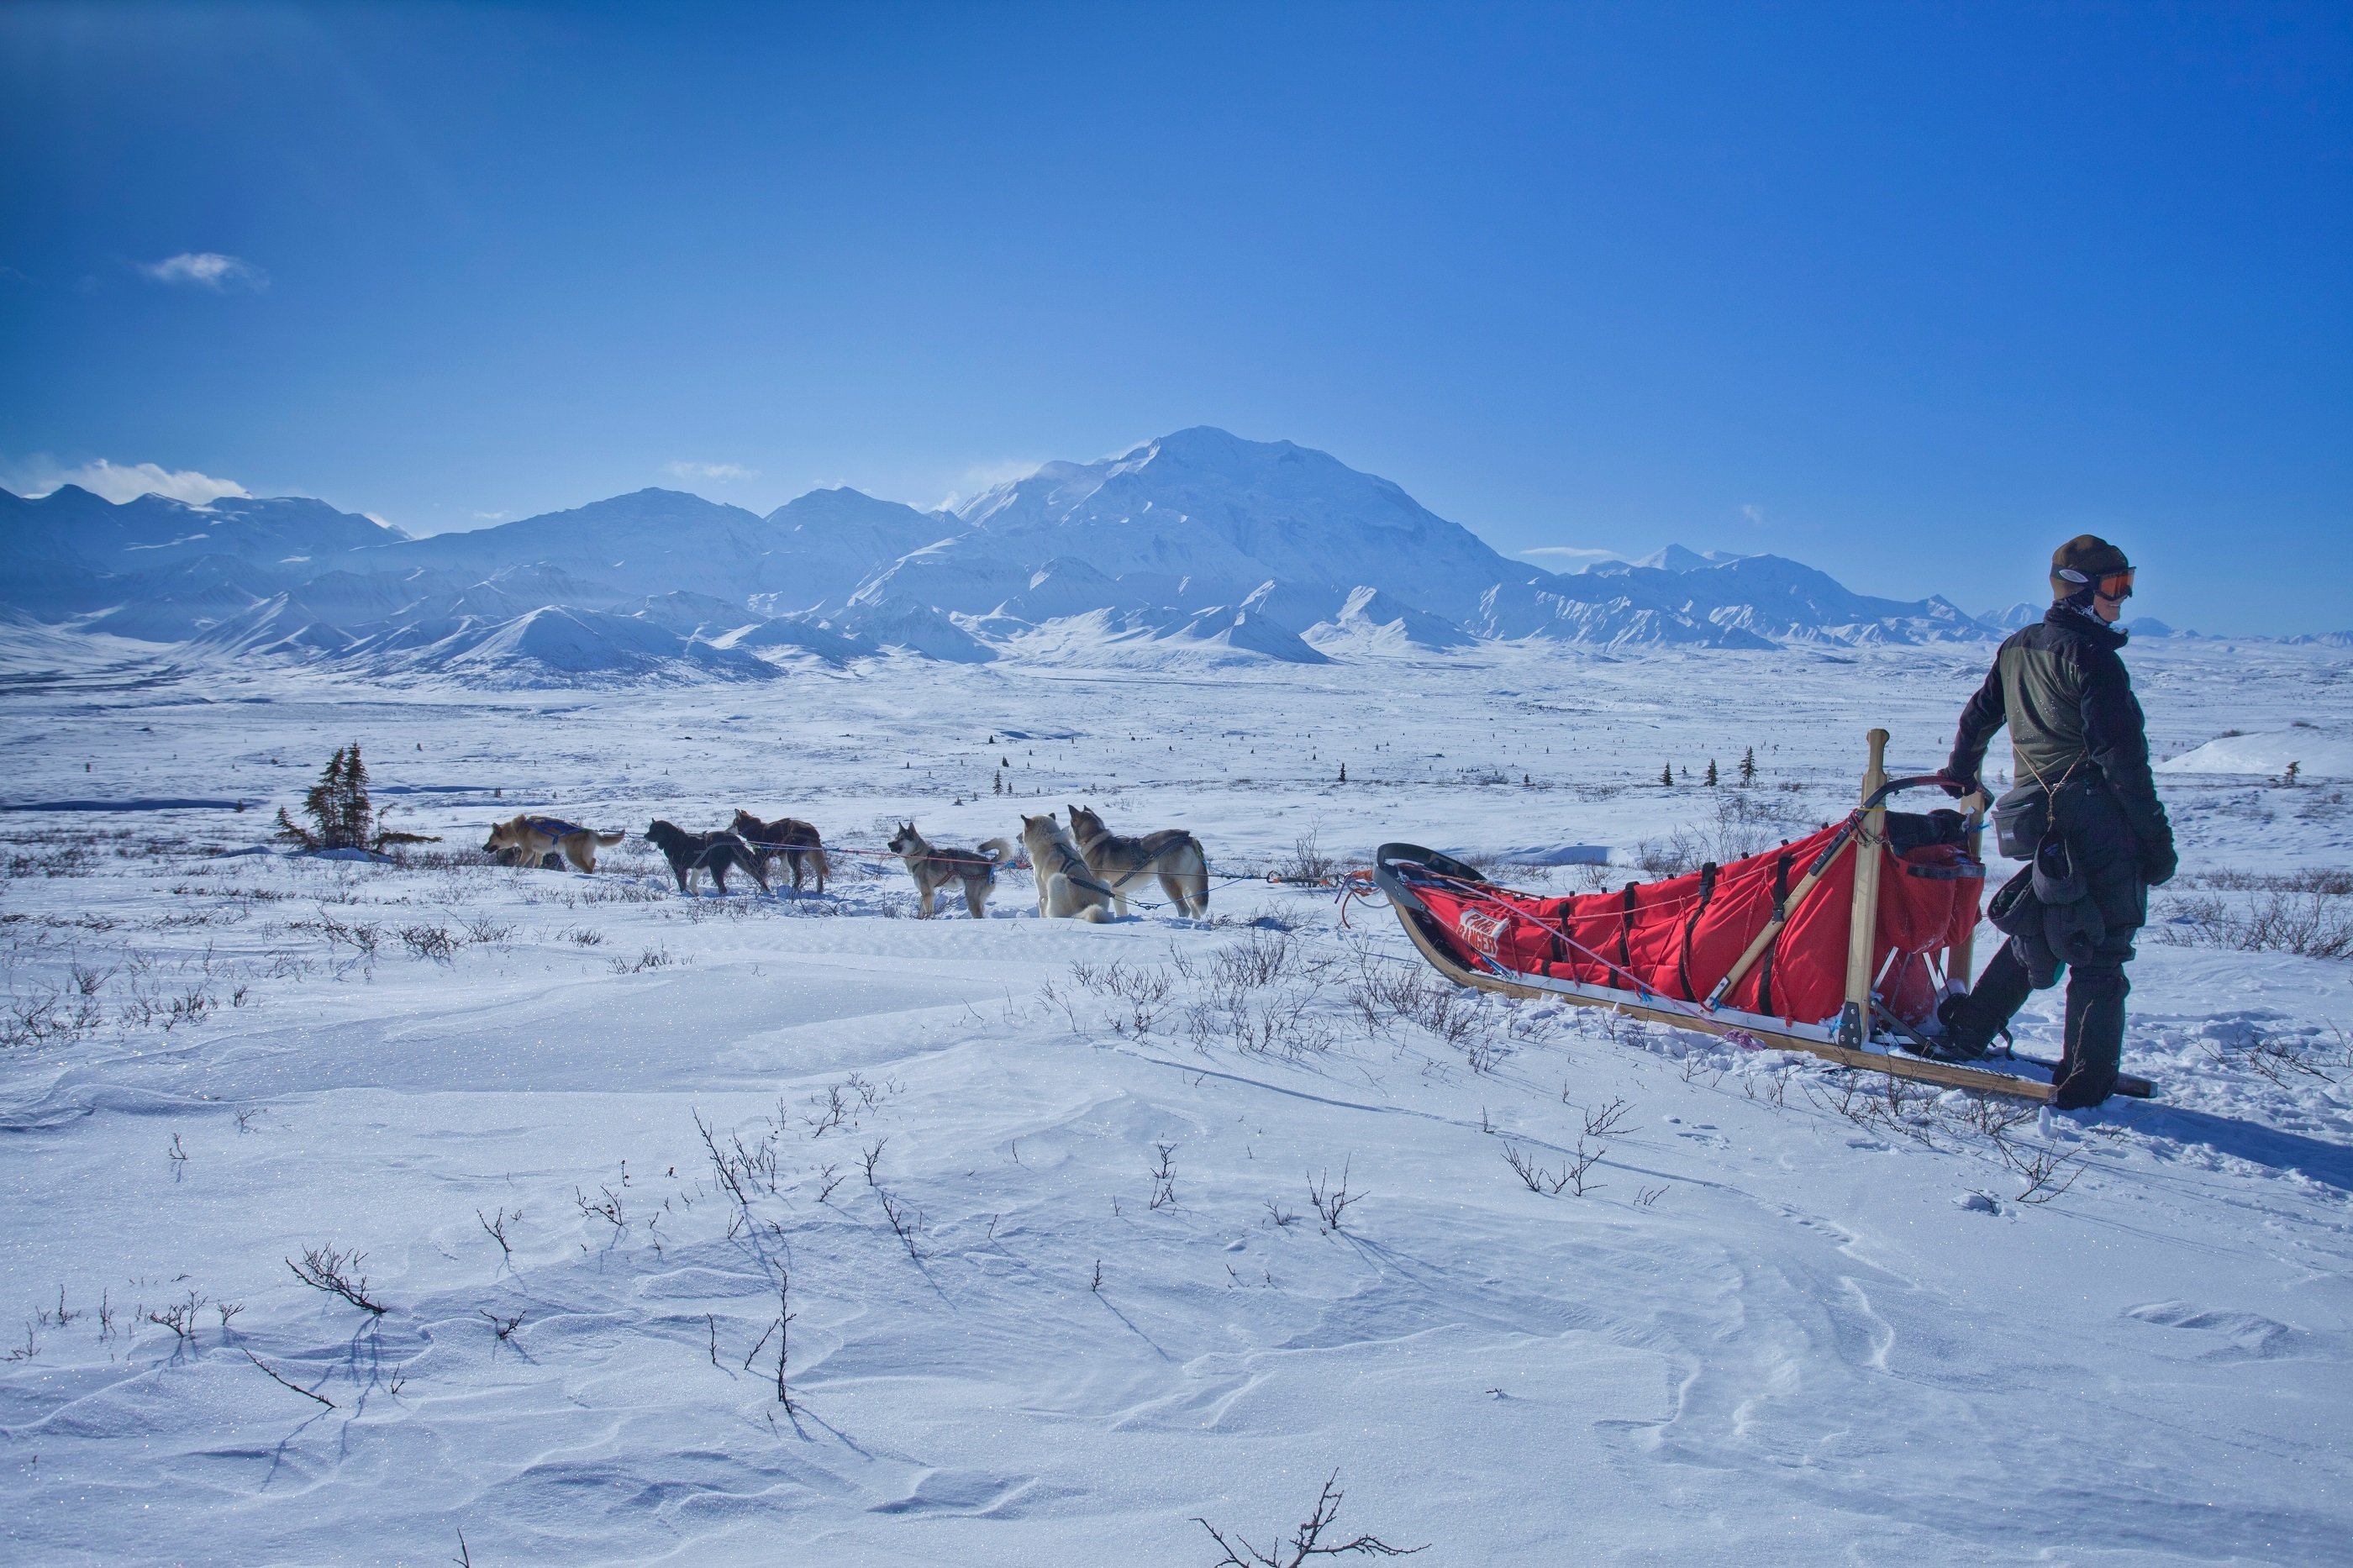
[{"x": 1911, "y": 292}]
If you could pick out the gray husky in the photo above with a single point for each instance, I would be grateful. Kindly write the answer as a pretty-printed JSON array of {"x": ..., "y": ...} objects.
[
  {"x": 935, "y": 867},
  {"x": 1172, "y": 854}
]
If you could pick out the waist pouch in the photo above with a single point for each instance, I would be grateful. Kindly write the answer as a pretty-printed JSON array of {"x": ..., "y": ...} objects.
[{"x": 2020, "y": 819}]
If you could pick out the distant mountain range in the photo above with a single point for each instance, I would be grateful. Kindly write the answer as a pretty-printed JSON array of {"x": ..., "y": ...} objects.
[{"x": 1199, "y": 548}]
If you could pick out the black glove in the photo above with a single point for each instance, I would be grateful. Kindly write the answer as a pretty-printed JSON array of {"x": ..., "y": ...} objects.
[
  {"x": 1957, "y": 788},
  {"x": 2157, "y": 865}
]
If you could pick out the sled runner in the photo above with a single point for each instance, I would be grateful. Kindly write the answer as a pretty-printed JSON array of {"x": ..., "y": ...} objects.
[{"x": 1839, "y": 944}]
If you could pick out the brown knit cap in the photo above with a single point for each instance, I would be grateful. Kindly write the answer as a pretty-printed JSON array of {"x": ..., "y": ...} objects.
[{"x": 2089, "y": 554}]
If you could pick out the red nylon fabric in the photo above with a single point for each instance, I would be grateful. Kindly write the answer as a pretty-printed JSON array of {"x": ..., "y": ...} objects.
[{"x": 1675, "y": 945}]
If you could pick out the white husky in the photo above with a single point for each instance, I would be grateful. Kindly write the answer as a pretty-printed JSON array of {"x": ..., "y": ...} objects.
[{"x": 1066, "y": 889}]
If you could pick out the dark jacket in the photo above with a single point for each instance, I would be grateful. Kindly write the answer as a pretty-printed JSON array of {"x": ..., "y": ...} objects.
[{"x": 2064, "y": 692}]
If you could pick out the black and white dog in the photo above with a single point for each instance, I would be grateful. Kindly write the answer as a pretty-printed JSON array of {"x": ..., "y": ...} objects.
[{"x": 714, "y": 852}]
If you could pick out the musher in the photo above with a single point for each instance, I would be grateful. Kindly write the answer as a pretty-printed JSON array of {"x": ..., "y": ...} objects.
[{"x": 2076, "y": 740}]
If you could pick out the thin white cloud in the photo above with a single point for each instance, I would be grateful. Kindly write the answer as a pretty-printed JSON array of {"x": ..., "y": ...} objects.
[
  {"x": 1572, "y": 551},
  {"x": 207, "y": 269},
  {"x": 121, "y": 482},
  {"x": 982, "y": 477},
  {"x": 1752, "y": 511},
  {"x": 489, "y": 517},
  {"x": 718, "y": 473}
]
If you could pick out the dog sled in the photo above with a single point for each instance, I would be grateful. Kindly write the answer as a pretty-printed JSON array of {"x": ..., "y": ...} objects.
[{"x": 1839, "y": 944}]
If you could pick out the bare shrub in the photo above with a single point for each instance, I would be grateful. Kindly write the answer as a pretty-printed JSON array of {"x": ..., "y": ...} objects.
[
  {"x": 2047, "y": 1172},
  {"x": 1308, "y": 861},
  {"x": 181, "y": 1317},
  {"x": 1534, "y": 1176},
  {"x": 496, "y": 1230},
  {"x": 436, "y": 944},
  {"x": 906, "y": 1221},
  {"x": 40, "y": 1017},
  {"x": 1749, "y": 823},
  {"x": 1275, "y": 1025},
  {"x": 2311, "y": 879},
  {"x": 1163, "y": 1176},
  {"x": 1680, "y": 851},
  {"x": 1307, "y": 1541},
  {"x": 1609, "y": 1121},
  {"x": 336, "y": 1273},
  {"x": 362, "y": 937},
  {"x": 1330, "y": 1200},
  {"x": 1882, "y": 1102},
  {"x": 1261, "y": 959},
  {"x": 2283, "y": 1057},
  {"x": 284, "y": 1382},
  {"x": 1143, "y": 992},
  {"x": 2309, "y": 922}
]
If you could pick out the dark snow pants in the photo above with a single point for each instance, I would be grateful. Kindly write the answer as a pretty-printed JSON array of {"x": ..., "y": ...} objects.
[{"x": 2106, "y": 853}]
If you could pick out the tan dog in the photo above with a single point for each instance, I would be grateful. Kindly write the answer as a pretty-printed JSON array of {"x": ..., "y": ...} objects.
[
  {"x": 1172, "y": 854},
  {"x": 789, "y": 836},
  {"x": 533, "y": 838},
  {"x": 1066, "y": 889},
  {"x": 934, "y": 867}
]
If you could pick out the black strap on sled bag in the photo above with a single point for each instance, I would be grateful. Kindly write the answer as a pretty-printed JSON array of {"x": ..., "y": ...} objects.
[
  {"x": 1683, "y": 955},
  {"x": 1781, "y": 913},
  {"x": 1626, "y": 929}
]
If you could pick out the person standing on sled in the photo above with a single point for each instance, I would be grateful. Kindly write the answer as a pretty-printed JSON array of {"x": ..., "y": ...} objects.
[{"x": 2086, "y": 811}]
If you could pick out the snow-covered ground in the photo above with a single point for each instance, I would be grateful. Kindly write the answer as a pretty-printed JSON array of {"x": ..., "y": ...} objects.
[{"x": 1787, "y": 1320}]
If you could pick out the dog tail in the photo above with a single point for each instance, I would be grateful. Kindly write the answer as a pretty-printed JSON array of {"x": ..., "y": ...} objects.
[
  {"x": 998, "y": 850},
  {"x": 609, "y": 839},
  {"x": 1095, "y": 914},
  {"x": 824, "y": 866}
]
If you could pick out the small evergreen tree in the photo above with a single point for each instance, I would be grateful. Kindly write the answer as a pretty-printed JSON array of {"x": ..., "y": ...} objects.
[
  {"x": 1748, "y": 767},
  {"x": 1667, "y": 775},
  {"x": 1711, "y": 772},
  {"x": 342, "y": 816}
]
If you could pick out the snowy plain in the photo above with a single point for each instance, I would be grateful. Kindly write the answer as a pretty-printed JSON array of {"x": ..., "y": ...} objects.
[{"x": 1784, "y": 1323}]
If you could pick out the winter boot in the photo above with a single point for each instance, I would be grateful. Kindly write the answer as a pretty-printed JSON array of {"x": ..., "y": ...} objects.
[
  {"x": 1972, "y": 1018},
  {"x": 2096, "y": 1038}
]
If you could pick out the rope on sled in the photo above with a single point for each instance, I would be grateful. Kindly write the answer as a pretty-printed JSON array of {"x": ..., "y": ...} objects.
[{"x": 1643, "y": 992}]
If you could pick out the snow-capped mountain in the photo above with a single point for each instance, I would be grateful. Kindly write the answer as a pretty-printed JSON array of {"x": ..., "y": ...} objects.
[
  {"x": 1197, "y": 547},
  {"x": 1215, "y": 517}
]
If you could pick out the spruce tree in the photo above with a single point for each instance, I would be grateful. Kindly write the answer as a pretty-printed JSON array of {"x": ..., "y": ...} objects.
[
  {"x": 1667, "y": 775},
  {"x": 1711, "y": 772},
  {"x": 342, "y": 816},
  {"x": 1749, "y": 766}
]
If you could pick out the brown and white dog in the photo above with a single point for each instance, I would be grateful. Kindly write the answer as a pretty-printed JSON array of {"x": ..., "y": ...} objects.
[
  {"x": 533, "y": 838},
  {"x": 1172, "y": 854},
  {"x": 1066, "y": 889},
  {"x": 789, "y": 836},
  {"x": 935, "y": 867}
]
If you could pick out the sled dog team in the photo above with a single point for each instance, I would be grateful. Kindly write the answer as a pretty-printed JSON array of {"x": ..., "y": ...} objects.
[{"x": 1084, "y": 871}]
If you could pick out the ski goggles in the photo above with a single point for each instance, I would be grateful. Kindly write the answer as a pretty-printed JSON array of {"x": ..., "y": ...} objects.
[{"x": 2116, "y": 585}]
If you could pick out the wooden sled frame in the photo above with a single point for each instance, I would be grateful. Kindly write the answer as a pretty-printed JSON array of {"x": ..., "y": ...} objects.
[{"x": 1845, "y": 1041}]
